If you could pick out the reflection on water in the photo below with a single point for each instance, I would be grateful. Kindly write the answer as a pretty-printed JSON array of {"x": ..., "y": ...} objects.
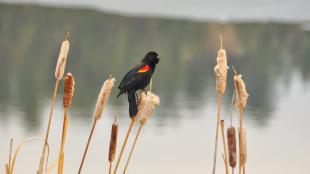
[
  {"x": 103, "y": 44},
  {"x": 30, "y": 37}
]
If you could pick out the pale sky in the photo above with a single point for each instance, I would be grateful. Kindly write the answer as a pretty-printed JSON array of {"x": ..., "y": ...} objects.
[{"x": 220, "y": 10}]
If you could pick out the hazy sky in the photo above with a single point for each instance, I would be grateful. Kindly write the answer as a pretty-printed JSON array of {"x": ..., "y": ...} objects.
[{"x": 223, "y": 10}]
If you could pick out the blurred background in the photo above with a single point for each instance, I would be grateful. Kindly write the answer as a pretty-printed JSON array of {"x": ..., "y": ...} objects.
[{"x": 267, "y": 41}]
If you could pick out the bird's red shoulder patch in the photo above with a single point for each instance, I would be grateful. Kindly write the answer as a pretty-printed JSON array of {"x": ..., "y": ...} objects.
[{"x": 144, "y": 69}]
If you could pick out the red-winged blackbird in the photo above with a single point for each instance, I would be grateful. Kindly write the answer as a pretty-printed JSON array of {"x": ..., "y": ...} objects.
[{"x": 138, "y": 78}]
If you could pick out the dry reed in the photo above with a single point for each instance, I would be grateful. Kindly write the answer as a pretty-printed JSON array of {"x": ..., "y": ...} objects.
[
  {"x": 10, "y": 154},
  {"x": 101, "y": 101},
  {"x": 11, "y": 169},
  {"x": 224, "y": 146},
  {"x": 8, "y": 165},
  {"x": 60, "y": 68},
  {"x": 146, "y": 104},
  {"x": 221, "y": 75},
  {"x": 113, "y": 144},
  {"x": 67, "y": 100}
]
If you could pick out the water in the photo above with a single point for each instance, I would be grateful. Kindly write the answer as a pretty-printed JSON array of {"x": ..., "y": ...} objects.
[{"x": 179, "y": 138}]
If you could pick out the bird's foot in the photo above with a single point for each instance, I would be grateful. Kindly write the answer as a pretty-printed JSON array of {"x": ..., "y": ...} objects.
[{"x": 144, "y": 90}]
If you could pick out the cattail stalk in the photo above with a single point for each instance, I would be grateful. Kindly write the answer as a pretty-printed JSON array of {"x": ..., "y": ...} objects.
[
  {"x": 10, "y": 154},
  {"x": 40, "y": 170},
  {"x": 8, "y": 165},
  {"x": 241, "y": 100},
  {"x": 146, "y": 104},
  {"x": 67, "y": 100},
  {"x": 113, "y": 144},
  {"x": 221, "y": 75},
  {"x": 133, "y": 147},
  {"x": 219, "y": 107},
  {"x": 101, "y": 102},
  {"x": 243, "y": 148},
  {"x": 47, "y": 157},
  {"x": 110, "y": 167},
  {"x": 7, "y": 169},
  {"x": 232, "y": 107},
  {"x": 87, "y": 145},
  {"x": 225, "y": 147},
  {"x": 60, "y": 68},
  {"x": 133, "y": 119},
  {"x": 63, "y": 138}
]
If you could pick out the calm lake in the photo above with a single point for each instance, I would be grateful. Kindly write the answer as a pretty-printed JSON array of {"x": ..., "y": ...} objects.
[{"x": 179, "y": 138}]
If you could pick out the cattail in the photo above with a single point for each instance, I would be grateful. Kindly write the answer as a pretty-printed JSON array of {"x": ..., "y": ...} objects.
[
  {"x": 103, "y": 97},
  {"x": 67, "y": 100},
  {"x": 101, "y": 101},
  {"x": 243, "y": 147},
  {"x": 221, "y": 75},
  {"x": 242, "y": 95},
  {"x": 68, "y": 90},
  {"x": 221, "y": 70},
  {"x": 62, "y": 59},
  {"x": 113, "y": 144},
  {"x": 60, "y": 69},
  {"x": 146, "y": 105},
  {"x": 113, "y": 141},
  {"x": 232, "y": 146}
]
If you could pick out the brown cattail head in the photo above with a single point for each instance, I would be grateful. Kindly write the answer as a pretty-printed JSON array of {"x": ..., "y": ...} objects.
[
  {"x": 221, "y": 71},
  {"x": 241, "y": 93},
  {"x": 243, "y": 146},
  {"x": 68, "y": 90},
  {"x": 146, "y": 105},
  {"x": 232, "y": 146},
  {"x": 113, "y": 141},
  {"x": 103, "y": 97},
  {"x": 62, "y": 59}
]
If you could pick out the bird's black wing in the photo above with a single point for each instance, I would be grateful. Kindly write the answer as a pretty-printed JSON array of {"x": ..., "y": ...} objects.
[
  {"x": 134, "y": 77},
  {"x": 127, "y": 76}
]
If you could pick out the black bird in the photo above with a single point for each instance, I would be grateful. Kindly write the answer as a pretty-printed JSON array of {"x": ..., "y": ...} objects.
[{"x": 138, "y": 78}]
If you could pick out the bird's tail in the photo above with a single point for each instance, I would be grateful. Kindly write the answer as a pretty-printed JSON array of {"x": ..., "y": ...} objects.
[{"x": 133, "y": 110}]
